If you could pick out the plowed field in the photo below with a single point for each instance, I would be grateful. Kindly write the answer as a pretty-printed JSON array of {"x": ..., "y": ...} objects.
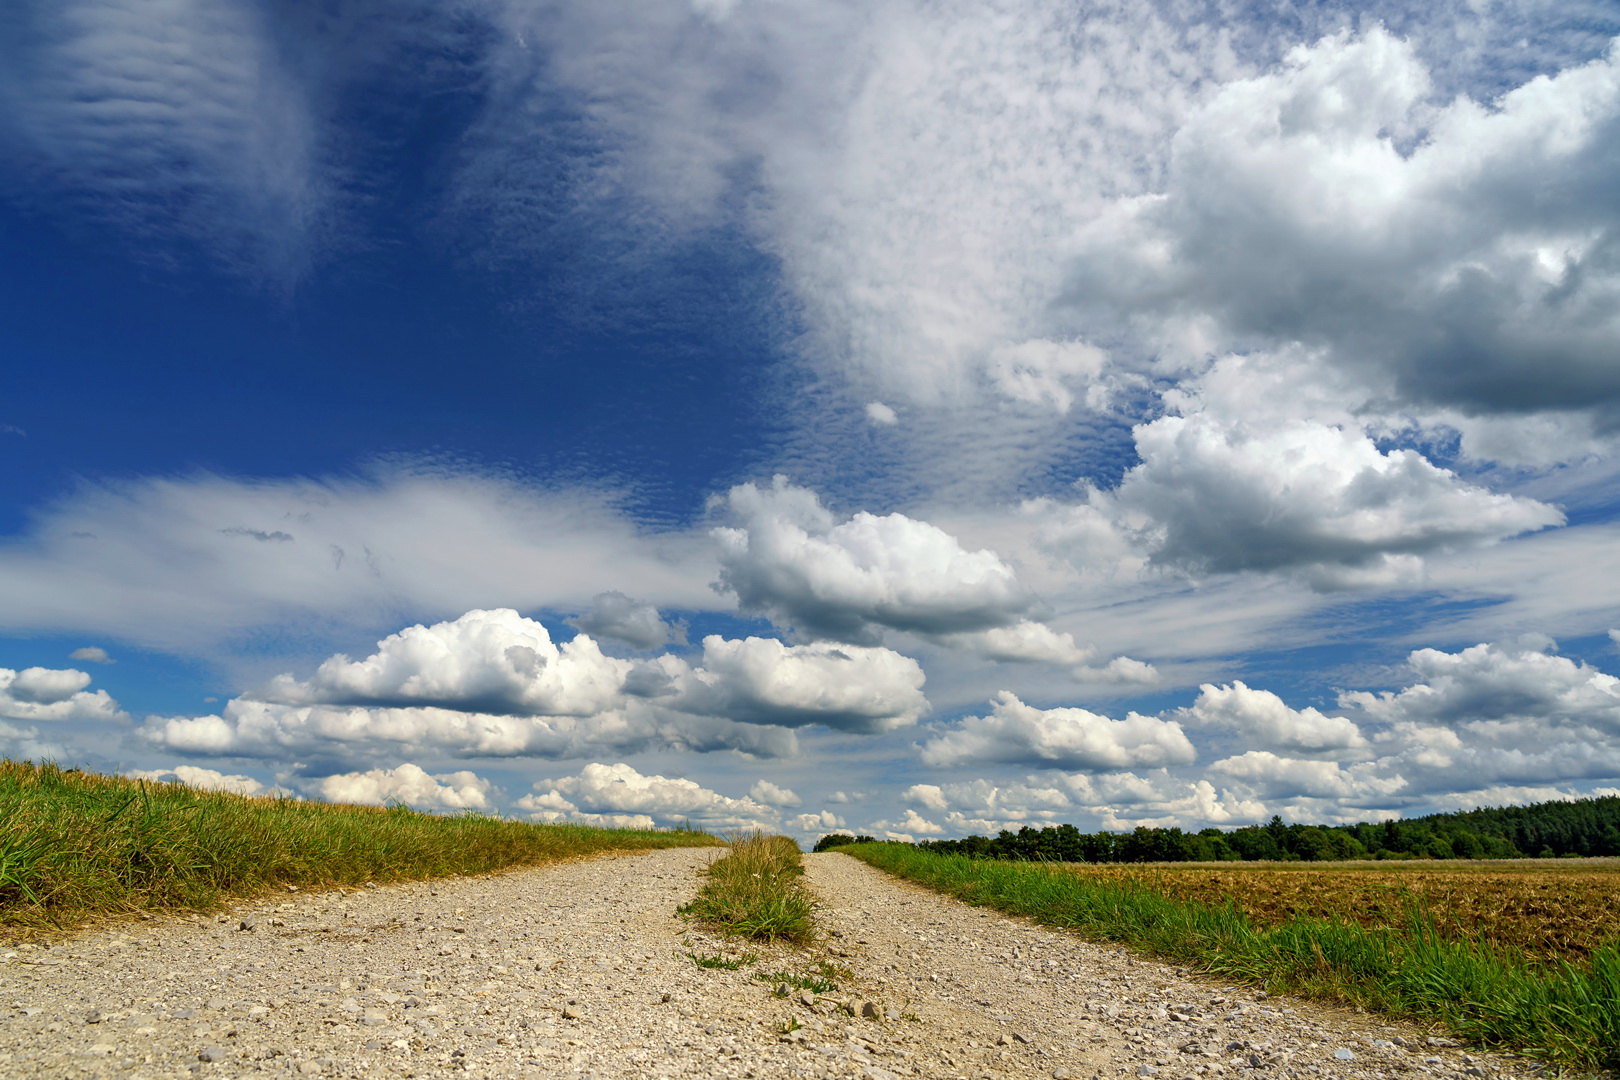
[{"x": 1540, "y": 908}]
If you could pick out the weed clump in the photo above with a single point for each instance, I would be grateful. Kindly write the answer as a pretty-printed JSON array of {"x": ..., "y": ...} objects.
[{"x": 756, "y": 891}]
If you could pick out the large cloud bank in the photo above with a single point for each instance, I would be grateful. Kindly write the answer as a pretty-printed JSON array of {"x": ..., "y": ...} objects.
[{"x": 493, "y": 683}]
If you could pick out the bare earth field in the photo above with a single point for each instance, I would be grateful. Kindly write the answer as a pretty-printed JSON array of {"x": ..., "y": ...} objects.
[
  {"x": 1547, "y": 908},
  {"x": 584, "y": 970}
]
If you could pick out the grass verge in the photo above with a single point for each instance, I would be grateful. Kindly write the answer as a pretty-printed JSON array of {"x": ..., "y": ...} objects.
[
  {"x": 1564, "y": 1011},
  {"x": 74, "y": 846},
  {"x": 756, "y": 890}
]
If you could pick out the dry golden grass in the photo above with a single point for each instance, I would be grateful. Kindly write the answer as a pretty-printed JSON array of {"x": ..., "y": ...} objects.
[{"x": 1542, "y": 908}]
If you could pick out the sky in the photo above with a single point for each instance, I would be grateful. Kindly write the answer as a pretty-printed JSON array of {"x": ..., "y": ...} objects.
[{"x": 907, "y": 417}]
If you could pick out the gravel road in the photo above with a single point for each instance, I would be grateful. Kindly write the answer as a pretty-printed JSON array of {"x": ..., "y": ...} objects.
[{"x": 584, "y": 970}]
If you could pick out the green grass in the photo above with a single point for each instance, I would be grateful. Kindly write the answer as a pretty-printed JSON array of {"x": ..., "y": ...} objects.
[
  {"x": 818, "y": 980},
  {"x": 1567, "y": 1012},
  {"x": 756, "y": 891},
  {"x": 75, "y": 846}
]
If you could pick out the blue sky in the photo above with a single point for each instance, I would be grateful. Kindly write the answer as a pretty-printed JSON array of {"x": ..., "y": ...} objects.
[{"x": 911, "y": 417}]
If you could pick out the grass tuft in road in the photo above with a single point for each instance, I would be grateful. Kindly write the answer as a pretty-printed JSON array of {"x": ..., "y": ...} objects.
[
  {"x": 74, "y": 845},
  {"x": 756, "y": 891},
  {"x": 1566, "y": 1011}
]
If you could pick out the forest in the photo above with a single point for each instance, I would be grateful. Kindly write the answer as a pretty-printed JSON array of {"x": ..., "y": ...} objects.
[{"x": 1582, "y": 828}]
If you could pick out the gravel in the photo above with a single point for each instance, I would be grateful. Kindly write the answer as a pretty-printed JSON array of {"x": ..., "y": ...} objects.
[{"x": 584, "y": 970}]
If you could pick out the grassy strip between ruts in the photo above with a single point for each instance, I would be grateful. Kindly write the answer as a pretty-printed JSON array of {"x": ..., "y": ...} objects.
[
  {"x": 75, "y": 845},
  {"x": 756, "y": 891},
  {"x": 1565, "y": 1011}
]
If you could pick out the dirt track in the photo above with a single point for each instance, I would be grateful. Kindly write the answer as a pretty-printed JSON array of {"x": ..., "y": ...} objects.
[{"x": 584, "y": 970}]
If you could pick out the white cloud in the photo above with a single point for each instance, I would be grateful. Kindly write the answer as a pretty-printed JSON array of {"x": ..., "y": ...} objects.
[
  {"x": 763, "y": 681},
  {"x": 207, "y": 779},
  {"x": 181, "y": 563},
  {"x": 1065, "y": 738},
  {"x": 1036, "y": 643},
  {"x": 356, "y": 733},
  {"x": 1322, "y": 501},
  {"x": 1261, "y": 717},
  {"x": 616, "y": 616},
  {"x": 790, "y": 558},
  {"x": 408, "y": 784},
  {"x": 770, "y": 794},
  {"x": 819, "y": 822},
  {"x": 613, "y": 792},
  {"x": 1523, "y": 681},
  {"x": 1265, "y": 775},
  {"x": 880, "y": 414},
  {"x": 53, "y": 694},
  {"x": 484, "y": 661},
  {"x": 91, "y": 654},
  {"x": 1452, "y": 254}
]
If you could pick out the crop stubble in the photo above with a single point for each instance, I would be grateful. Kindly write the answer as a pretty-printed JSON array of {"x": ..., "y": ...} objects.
[{"x": 1541, "y": 909}]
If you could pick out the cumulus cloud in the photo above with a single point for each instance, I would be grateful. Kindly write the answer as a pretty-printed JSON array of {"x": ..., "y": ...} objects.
[
  {"x": 616, "y": 616},
  {"x": 819, "y": 822},
  {"x": 206, "y": 779},
  {"x": 1065, "y": 738},
  {"x": 274, "y": 731},
  {"x": 53, "y": 694},
  {"x": 619, "y": 793},
  {"x": 409, "y": 785},
  {"x": 1117, "y": 801},
  {"x": 493, "y": 683},
  {"x": 1036, "y": 643},
  {"x": 1265, "y": 775},
  {"x": 1318, "y": 500},
  {"x": 91, "y": 654},
  {"x": 1453, "y": 253},
  {"x": 484, "y": 661},
  {"x": 770, "y": 794},
  {"x": 762, "y": 681},
  {"x": 1259, "y": 716},
  {"x": 1523, "y": 680},
  {"x": 790, "y": 558}
]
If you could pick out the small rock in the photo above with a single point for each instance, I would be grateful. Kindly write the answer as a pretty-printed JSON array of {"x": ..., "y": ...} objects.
[
  {"x": 1146, "y": 1070},
  {"x": 1002, "y": 1040},
  {"x": 570, "y": 1013},
  {"x": 807, "y": 999},
  {"x": 248, "y": 923},
  {"x": 1433, "y": 1060},
  {"x": 1344, "y": 1054},
  {"x": 211, "y": 1053},
  {"x": 1435, "y": 1040},
  {"x": 94, "y": 1016},
  {"x": 1021, "y": 1037},
  {"x": 666, "y": 997},
  {"x": 309, "y": 1068},
  {"x": 101, "y": 1049},
  {"x": 217, "y": 1003},
  {"x": 1474, "y": 1070},
  {"x": 871, "y": 1011},
  {"x": 1061, "y": 1074}
]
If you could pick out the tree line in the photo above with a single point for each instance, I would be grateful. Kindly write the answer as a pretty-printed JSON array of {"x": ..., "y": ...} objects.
[{"x": 1585, "y": 827}]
